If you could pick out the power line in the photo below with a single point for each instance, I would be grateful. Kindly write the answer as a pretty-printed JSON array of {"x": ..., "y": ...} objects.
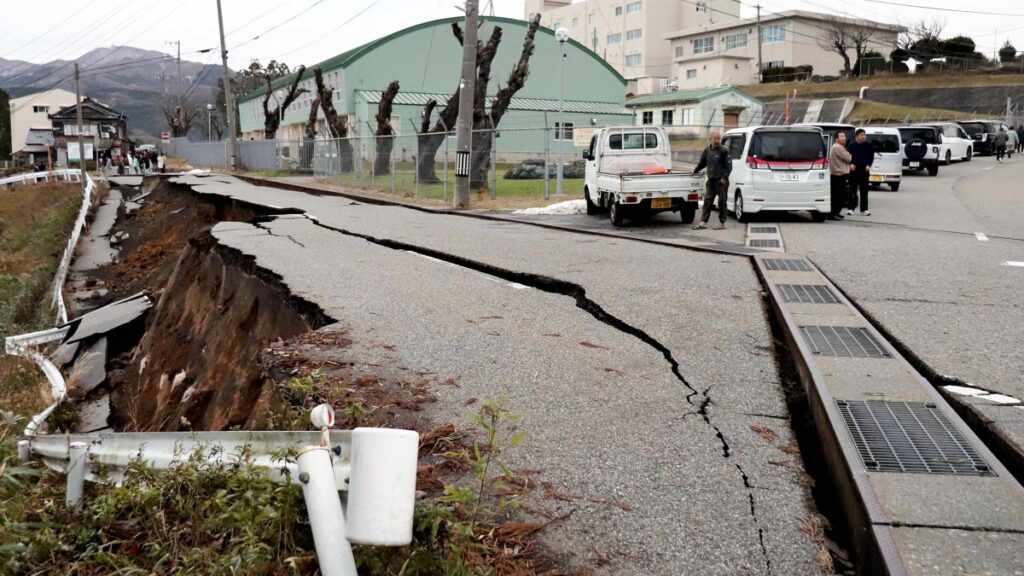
[
  {"x": 332, "y": 30},
  {"x": 51, "y": 29},
  {"x": 936, "y": 9},
  {"x": 267, "y": 13},
  {"x": 276, "y": 26}
]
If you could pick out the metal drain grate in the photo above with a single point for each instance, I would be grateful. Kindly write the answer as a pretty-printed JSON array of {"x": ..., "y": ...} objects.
[
  {"x": 787, "y": 264},
  {"x": 913, "y": 437},
  {"x": 764, "y": 244},
  {"x": 845, "y": 341},
  {"x": 807, "y": 293},
  {"x": 764, "y": 230}
]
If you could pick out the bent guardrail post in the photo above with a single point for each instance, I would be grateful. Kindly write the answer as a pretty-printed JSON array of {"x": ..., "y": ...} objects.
[
  {"x": 78, "y": 461},
  {"x": 326, "y": 518}
]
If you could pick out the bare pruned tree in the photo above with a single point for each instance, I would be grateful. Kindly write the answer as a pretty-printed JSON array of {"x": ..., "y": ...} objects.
[
  {"x": 337, "y": 125},
  {"x": 385, "y": 132},
  {"x": 179, "y": 117},
  {"x": 272, "y": 118},
  {"x": 314, "y": 107},
  {"x": 923, "y": 41},
  {"x": 431, "y": 138},
  {"x": 840, "y": 35}
]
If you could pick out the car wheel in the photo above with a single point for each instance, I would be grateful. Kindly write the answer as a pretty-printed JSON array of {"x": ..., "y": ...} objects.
[
  {"x": 818, "y": 216},
  {"x": 616, "y": 214},
  {"x": 933, "y": 170},
  {"x": 738, "y": 209},
  {"x": 688, "y": 212},
  {"x": 592, "y": 208},
  {"x": 895, "y": 187},
  {"x": 949, "y": 157},
  {"x": 970, "y": 154}
]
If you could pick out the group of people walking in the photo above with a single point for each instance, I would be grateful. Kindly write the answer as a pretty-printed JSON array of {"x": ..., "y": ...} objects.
[
  {"x": 128, "y": 163},
  {"x": 1012, "y": 141},
  {"x": 850, "y": 170}
]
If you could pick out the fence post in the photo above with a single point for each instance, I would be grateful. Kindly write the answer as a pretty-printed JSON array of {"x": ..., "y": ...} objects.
[
  {"x": 547, "y": 183},
  {"x": 445, "y": 164},
  {"x": 494, "y": 165},
  {"x": 416, "y": 162},
  {"x": 392, "y": 162},
  {"x": 78, "y": 455},
  {"x": 326, "y": 518}
]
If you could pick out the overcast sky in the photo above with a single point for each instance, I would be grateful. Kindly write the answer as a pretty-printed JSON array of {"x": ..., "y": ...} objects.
[{"x": 308, "y": 31}]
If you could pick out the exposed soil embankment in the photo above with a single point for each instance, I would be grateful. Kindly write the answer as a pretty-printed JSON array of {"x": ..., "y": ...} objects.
[{"x": 196, "y": 367}]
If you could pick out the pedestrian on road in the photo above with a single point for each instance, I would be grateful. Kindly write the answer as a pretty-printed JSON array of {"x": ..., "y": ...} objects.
[
  {"x": 863, "y": 156},
  {"x": 136, "y": 165},
  {"x": 1020, "y": 139},
  {"x": 1000, "y": 141},
  {"x": 839, "y": 169},
  {"x": 719, "y": 164},
  {"x": 160, "y": 162},
  {"x": 1012, "y": 142}
]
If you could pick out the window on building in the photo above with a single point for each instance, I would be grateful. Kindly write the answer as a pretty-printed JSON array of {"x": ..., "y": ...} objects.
[
  {"x": 666, "y": 117},
  {"x": 704, "y": 45},
  {"x": 575, "y": 21},
  {"x": 634, "y": 7},
  {"x": 633, "y": 60},
  {"x": 614, "y": 38},
  {"x": 735, "y": 40},
  {"x": 618, "y": 10},
  {"x": 680, "y": 52},
  {"x": 563, "y": 131},
  {"x": 41, "y": 109},
  {"x": 773, "y": 34},
  {"x": 686, "y": 115},
  {"x": 591, "y": 18},
  {"x": 635, "y": 34},
  {"x": 775, "y": 64},
  {"x": 647, "y": 118},
  {"x": 691, "y": 73},
  {"x": 702, "y": 6}
]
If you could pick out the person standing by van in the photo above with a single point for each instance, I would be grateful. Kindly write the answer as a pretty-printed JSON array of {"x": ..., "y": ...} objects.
[
  {"x": 1000, "y": 143},
  {"x": 718, "y": 161},
  {"x": 839, "y": 175},
  {"x": 863, "y": 156}
]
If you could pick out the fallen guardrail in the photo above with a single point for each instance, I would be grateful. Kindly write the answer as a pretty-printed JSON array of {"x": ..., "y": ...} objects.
[
  {"x": 375, "y": 466},
  {"x": 22, "y": 346}
]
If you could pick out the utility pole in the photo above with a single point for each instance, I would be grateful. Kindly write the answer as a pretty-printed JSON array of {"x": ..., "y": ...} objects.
[
  {"x": 760, "y": 64},
  {"x": 177, "y": 84},
  {"x": 81, "y": 141},
  {"x": 229, "y": 98},
  {"x": 464, "y": 125}
]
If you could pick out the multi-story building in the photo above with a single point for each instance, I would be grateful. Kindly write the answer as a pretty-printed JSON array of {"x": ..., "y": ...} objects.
[
  {"x": 32, "y": 112},
  {"x": 726, "y": 53},
  {"x": 631, "y": 34}
]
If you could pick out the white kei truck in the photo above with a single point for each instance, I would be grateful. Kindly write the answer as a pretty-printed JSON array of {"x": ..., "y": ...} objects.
[{"x": 629, "y": 174}]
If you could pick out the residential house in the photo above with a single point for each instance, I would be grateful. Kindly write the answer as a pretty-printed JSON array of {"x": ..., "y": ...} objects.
[
  {"x": 31, "y": 113},
  {"x": 103, "y": 129},
  {"x": 692, "y": 113}
]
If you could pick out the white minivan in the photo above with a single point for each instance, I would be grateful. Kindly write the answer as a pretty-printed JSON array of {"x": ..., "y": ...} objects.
[
  {"x": 888, "y": 165},
  {"x": 778, "y": 168}
]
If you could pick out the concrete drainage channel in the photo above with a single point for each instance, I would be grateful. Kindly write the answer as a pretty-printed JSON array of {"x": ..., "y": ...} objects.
[{"x": 918, "y": 490}]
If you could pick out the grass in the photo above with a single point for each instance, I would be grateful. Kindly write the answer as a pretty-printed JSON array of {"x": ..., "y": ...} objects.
[
  {"x": 35, "y": 222},
  {"x": 897, "y": 81},
  {"x": 867, "y": 112}
]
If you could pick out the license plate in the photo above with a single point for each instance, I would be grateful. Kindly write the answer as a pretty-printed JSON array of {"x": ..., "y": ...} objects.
[
  {"x": 877, "y": 178},
  {"x": 790, "y": 177},
  {"x": 915, "y": 164},
  {"x": 661, "y": 203}
]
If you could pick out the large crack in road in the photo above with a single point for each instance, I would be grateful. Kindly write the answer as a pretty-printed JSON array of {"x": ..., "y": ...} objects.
[{"x": 579, "y": 295}]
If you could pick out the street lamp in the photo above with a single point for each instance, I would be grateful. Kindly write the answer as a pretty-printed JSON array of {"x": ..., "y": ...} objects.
[
  {"x": 209, "y": 122},
  {"x": 561, "y": 35}
]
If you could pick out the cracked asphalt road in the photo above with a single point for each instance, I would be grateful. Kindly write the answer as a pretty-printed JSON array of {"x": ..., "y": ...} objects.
[{"x": 606, "y": 419}]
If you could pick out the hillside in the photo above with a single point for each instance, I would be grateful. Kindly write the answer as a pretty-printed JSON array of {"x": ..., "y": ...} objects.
[{"x": 129, "y": 79}]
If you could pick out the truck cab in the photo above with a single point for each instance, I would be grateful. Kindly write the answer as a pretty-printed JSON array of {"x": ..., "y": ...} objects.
[{"x": 629, "y": 174}]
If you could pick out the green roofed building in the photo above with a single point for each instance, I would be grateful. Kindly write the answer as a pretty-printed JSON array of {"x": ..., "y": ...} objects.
[
  {"x": 691, "y": 111},
  {"x": 425, "y": 59}
]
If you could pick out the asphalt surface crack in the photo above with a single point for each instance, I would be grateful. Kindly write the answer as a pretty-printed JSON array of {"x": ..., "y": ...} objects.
[
  {"x": 259, "y": 224},
  {"x": 579, "y": 295}
]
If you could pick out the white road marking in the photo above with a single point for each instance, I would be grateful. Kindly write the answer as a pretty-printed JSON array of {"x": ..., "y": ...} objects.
[
  {"x": 981, "y": 236},
  {"x": 517, "y": 286},
  {"x": 963, "y": 390},
  {"x": 1000, "y": 399},
  {"x": 1012, "y": 263}
]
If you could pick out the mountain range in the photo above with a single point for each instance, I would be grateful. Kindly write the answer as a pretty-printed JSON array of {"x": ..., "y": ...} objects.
[{"x": 130, "y": 80}]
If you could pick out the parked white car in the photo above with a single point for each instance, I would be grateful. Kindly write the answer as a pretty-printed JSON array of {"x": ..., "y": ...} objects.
[
  {"x": 778, "y": 168},
  {"x": 888, "y": 165},
  {"x": 955, "y": 144},
  {"x": 629, "y": 174},
  {"x": 922, "y": 146}
]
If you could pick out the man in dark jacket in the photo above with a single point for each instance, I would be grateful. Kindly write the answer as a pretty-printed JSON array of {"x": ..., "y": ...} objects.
[
  {"x": 863, "y": 156},
  {"x": 1020, "y": 139},
  {"x": 717, "y": 160}
]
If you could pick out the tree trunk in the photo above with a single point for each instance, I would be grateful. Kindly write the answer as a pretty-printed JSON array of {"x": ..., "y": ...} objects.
[
  {"x": 385, "y": 133},
  {"x": 309, "y": 144},
  {"x": 480, "y": 164},
  {"x": 428, "y": 145},
  {"x": 272, "y": 118},
  {"x": 336, "y": 125}
]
